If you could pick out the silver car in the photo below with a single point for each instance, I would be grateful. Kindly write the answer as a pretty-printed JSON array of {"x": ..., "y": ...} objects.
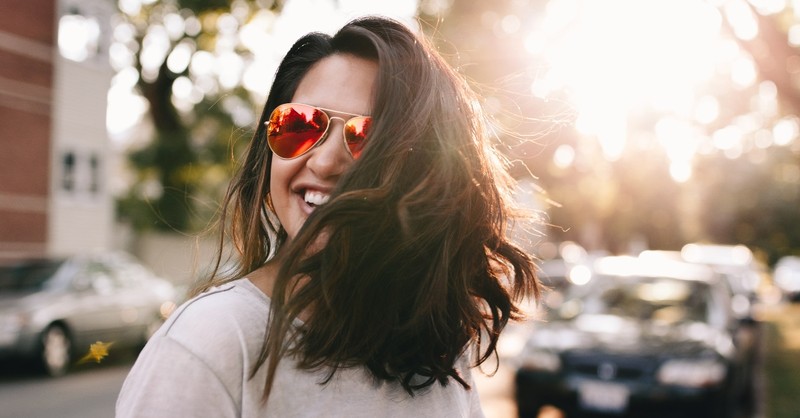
[{"x": 56, "y": 309}]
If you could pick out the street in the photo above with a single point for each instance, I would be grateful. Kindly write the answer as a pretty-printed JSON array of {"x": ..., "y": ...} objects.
[
  {"x": 91, "y": 391},
  {"x": 87, "y": 393}
]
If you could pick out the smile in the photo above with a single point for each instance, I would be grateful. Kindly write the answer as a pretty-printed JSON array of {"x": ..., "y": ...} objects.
[{"x": 316, "y": 198}]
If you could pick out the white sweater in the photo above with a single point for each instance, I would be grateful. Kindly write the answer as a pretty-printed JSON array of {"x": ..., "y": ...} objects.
[{"x": 198, "y": 363}]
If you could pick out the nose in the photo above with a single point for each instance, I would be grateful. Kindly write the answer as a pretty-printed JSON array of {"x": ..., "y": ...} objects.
[{"x": 330, "y": 159}]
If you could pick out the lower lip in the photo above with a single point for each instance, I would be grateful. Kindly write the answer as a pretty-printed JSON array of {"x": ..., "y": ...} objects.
[{"x": 304, "y": 205}]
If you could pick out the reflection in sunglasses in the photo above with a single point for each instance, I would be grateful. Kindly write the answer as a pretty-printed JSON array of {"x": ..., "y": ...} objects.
[{"x": 293, "y": 129}]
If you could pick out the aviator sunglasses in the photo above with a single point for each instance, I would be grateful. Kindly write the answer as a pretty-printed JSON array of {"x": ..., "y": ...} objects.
[{"x": 295, "y": 128}]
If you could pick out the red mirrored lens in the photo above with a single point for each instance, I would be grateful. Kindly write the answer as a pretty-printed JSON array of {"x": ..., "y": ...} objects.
[
  {"x": 355, "y": 134},
  {"x": 294, "y": 129}
]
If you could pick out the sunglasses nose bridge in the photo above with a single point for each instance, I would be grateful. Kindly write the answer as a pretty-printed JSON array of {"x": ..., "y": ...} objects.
[
  {"x": 334, "y": 129},
  {"x": 337, "y": 128},
  {"x": 332, "y": 118}
]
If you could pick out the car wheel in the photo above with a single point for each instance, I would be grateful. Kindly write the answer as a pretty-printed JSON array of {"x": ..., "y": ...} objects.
[{"x": 56, "y": 350}]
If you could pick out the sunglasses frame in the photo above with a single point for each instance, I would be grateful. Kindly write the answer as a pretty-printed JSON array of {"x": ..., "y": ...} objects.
[{"x": 324, "y": 135}]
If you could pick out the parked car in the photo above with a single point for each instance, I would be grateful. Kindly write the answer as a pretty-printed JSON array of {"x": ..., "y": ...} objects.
[
  {"x": 53, "y": 309},
  {"x": 738, "y": 265},
  {"x": 787, "y": 277},
  {"x": 735, "y": 265},
  {"x": 641, "y": 337}
]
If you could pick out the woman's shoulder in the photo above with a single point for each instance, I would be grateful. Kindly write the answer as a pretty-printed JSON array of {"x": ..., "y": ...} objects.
[
  {"x": 195, "y": 362},
  {"x": 233, "y": 292},
  {"x": 236, "y": 307}
]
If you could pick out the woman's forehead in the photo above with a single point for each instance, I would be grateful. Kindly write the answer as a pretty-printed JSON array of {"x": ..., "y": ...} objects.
[{"x": 342, "y": 82}]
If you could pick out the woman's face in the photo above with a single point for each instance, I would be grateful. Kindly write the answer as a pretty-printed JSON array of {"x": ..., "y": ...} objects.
[{"x": 341, "y": 82}]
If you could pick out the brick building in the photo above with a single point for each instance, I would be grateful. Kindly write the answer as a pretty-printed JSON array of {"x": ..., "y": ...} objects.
[{"x": 54, "y": 79}]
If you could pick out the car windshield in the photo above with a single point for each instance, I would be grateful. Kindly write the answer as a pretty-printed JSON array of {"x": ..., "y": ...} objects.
[
  {"x": 643, "y": 298},
  {"x": 29, "y": 275}
]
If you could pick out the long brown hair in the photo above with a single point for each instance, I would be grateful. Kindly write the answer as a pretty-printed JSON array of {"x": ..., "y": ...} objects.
[{"x": 416, "y": 266}]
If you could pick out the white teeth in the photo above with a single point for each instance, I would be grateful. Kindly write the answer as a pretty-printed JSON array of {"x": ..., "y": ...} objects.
[{"x": 316, "y": 198}]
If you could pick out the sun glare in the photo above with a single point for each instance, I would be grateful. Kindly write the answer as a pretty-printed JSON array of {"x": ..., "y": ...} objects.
[{"x": 616, "y": 59}]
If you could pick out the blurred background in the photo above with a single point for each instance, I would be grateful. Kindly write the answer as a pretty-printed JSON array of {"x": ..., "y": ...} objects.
[{"x": 631, "y": 125}]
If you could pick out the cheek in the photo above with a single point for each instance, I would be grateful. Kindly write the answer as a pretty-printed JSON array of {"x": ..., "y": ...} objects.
[
  {"x": 277, "y": 183},
  {"x": 281, "y": 174},
  {"x": 278, "y": 175},
  {"x": 272, "y": 181},
  {"x": 277, "y": 193}
]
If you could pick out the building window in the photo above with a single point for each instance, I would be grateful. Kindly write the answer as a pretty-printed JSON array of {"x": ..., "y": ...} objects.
[
  {"x": 94, "y": 174},
  {"x": 68, "y": 171}
]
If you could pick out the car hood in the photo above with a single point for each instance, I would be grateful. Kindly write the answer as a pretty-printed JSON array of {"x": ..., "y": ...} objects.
[{"x": 618, "y": 335}]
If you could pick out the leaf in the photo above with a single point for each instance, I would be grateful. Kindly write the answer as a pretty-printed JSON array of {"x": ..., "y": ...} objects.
[{"x": 97, "y": 352}]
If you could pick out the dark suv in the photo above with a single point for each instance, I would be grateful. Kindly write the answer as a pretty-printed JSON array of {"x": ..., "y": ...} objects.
[{"x": 641, "y": 338}]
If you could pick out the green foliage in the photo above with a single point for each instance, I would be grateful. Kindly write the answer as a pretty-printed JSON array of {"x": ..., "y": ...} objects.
[
  {"x": 180, "y": 175},
  {"x": 753, "y": 202}
]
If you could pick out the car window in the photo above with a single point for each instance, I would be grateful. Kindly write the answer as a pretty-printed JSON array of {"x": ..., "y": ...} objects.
[
  {"x": 657, "y": 299},
  {"x": 100, "y": 277},
  {"x": 30, "y": 275},
  {"x": 129, "y": 274}
]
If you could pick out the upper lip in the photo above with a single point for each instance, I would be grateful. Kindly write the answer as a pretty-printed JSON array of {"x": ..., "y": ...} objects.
[{"x": 301, "y": 187}]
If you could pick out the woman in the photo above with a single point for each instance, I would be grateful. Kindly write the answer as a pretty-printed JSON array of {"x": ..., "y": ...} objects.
[{"x": 369, "y": 218}]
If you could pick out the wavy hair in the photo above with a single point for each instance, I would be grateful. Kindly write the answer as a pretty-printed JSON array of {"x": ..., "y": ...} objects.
[{"x": 415, "y": 266}]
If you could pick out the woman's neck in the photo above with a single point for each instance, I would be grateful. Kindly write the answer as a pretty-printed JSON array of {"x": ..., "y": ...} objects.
[{"x": 264, "y": 277}]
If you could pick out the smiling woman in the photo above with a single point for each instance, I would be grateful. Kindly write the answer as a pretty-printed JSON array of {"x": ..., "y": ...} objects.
[{"x": 373, "y": 270}]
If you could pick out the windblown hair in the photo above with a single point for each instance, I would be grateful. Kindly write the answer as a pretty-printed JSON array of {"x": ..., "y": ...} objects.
[{"x": 408, "y": 265}]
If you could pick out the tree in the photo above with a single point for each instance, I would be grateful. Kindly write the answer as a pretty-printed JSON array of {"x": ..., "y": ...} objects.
[{"x": 181, "y": 172}]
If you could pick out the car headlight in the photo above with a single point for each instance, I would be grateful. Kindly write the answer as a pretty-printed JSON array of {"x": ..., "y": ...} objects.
[
  {"x": 537, "y": 359},
  {"x": 692, "y": 373}
]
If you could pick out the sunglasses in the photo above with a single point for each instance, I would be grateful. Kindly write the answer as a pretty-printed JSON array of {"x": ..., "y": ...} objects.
[{"x": 294, "y": 128}]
